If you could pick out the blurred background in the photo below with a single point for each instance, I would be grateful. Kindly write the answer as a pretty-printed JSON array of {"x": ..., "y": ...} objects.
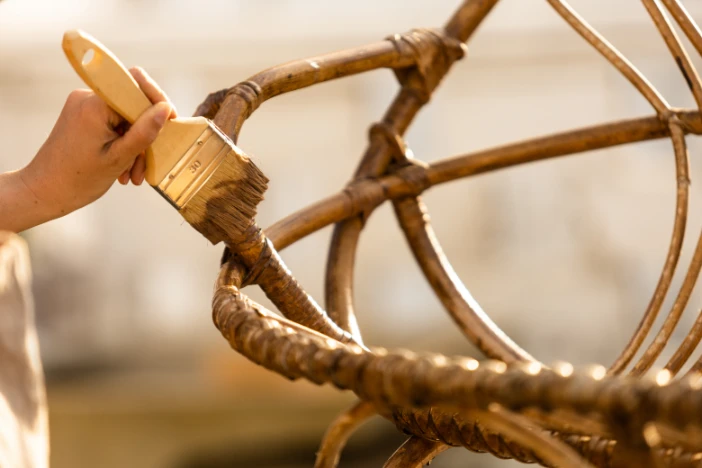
[{"x": 563, "y": 255}]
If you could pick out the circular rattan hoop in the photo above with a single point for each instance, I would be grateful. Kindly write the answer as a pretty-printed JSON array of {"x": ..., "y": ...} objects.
[{"x": 510, "y": 405}]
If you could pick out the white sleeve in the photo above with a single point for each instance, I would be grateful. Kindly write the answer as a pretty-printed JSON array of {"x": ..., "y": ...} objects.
[{"x": 23, "y": 409}]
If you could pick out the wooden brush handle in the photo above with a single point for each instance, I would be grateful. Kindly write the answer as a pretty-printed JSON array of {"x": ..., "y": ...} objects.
[{"x": 105, "y": 75}]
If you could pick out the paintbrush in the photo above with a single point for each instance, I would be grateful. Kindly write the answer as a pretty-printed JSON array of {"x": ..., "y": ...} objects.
[{"x": 192, "y": 164}]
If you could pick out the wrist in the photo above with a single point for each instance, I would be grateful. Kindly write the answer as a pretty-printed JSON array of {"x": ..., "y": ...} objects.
[
  {"x": 17, "y": 211},
  {"x": 39, "y": 207},
  {"x": 40, "y": 189}
]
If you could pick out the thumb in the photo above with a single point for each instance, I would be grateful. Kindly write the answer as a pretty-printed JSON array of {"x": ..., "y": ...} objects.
[{"x": 142, "y": 132}]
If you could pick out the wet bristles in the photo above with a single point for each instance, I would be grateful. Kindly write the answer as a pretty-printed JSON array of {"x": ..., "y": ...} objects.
[{"x": 226, "y": 204}]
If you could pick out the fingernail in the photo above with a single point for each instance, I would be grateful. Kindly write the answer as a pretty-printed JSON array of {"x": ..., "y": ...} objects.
[{"x": 163, "y": 110}]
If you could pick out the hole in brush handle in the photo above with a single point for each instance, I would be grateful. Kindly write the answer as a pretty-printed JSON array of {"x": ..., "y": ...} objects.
[
  {"x": 88, "y": 57},
  {"x": 105, "y": 74}
]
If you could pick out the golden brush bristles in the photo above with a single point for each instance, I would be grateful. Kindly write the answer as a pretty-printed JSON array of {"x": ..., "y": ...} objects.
[{"x": 226, "y": 203}]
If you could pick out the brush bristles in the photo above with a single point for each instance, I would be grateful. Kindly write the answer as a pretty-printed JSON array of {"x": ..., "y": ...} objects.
[{"x": 226, "y": 205}]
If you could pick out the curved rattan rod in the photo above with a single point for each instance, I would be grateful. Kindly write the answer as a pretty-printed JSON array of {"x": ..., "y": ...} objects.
[
  {"x": 415, "y": 452},
  {"x": 254, "y": 249},
  {"x": 341, "y": 257},
  {"x": 465, "y": 383},
  {"x": 339, "y": 431},
  {"x": 681, "y": 209},
  {"x": 693, "y": 80},
  {"x": 545, "y": 151},
  {"x": 663, "y": 109},
  {"x": 263, "y": 86},
  {"x": 462, "y": 24},
  {"x": 692, "y": 339},
  {"x": 666, "y": 277},
  {"x": 564, "y": 422},
  {"x": 560, "y": 144},
  {"x": 455, "y": 430},
  {"x": 413, "y": 218},
  {"x": 406, "y": 380},
  {"x": 466, "y": 19},
  {"x": 683, "y": 18},
  {"x": 688, "y": 345},
  {"x": 231, "y": 107},
  {"x": 268, "y": 270},
  {"x": 681, "y": 58},
  {"x": 585, "y": 433},
  {"x": 340, "y": 262},
  {"x": 399, "y": 188},
  {"x": 342, "y": 250},
  {"x": 231, "y": 274},
  {"x": 524, "y": 432},
  {"x": 588, "y": 434},
  {"x": 344, "y": 241},
  {"x": 227, "y": 295},
  {"x": 340, "y": 268},
  {"x": 243, "y": 323},
  {"x": 338, "y": 283},
  {"x": 244, "y": 98},
  {"x": 612, "y": 55},
  {"x": 367, "y": 194},
  {"x": 475, "y": 324}
]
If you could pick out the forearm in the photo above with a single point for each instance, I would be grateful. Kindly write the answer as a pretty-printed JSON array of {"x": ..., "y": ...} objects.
[{"x": 20, "y": 209}]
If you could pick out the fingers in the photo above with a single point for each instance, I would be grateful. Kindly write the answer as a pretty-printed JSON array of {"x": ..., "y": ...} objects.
[
  {"x": 138, "y": 170},
  {"x": 136, "y": 173},
  {"x": 85, "y": 105},
  {"x": 77, "y": 96},
  {"x": 140, "y": 135},
  {"x": 152, "y": 90},
  {"x": 124, "y": 177}
]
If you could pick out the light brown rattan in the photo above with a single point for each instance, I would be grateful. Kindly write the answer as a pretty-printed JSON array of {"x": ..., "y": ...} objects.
[{"x": 509, "y": 405}]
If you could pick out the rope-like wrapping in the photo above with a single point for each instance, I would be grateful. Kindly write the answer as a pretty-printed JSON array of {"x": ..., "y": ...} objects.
[
  {"x": 513, "y": 406},
  {"x": 406, "y": 380}
]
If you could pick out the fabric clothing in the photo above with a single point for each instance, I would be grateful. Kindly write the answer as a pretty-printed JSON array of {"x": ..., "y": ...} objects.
[{"x": 24, "y": 428}]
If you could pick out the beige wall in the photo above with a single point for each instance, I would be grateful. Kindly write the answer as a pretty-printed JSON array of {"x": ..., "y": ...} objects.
[{"x": 563, "y": 255}]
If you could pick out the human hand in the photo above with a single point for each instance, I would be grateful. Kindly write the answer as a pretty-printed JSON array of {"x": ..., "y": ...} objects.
[
  {"x": 155, "y": 94},
  {"x": 91, "y": 146}
]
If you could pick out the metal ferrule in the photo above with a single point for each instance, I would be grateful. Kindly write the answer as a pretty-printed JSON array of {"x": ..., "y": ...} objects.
[{"x": 195, "y": 168}]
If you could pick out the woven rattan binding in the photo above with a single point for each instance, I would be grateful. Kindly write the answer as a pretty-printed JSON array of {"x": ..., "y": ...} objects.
[{"x": 510, "y": 405}]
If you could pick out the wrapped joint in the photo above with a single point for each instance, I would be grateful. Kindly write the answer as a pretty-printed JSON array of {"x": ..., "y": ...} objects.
[
  {"x": 362, "y": 196},
  {"x": 434, "y": 52},
  {"x": 415, "y": 174},
  {"x": 395, "y": 142},
  {"x": 210, "y": 106},
  {"x": 250, "y": 92}
]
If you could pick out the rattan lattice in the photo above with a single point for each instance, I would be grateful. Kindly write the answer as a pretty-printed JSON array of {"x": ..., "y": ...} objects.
[{"x": 510, "y": 405}]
